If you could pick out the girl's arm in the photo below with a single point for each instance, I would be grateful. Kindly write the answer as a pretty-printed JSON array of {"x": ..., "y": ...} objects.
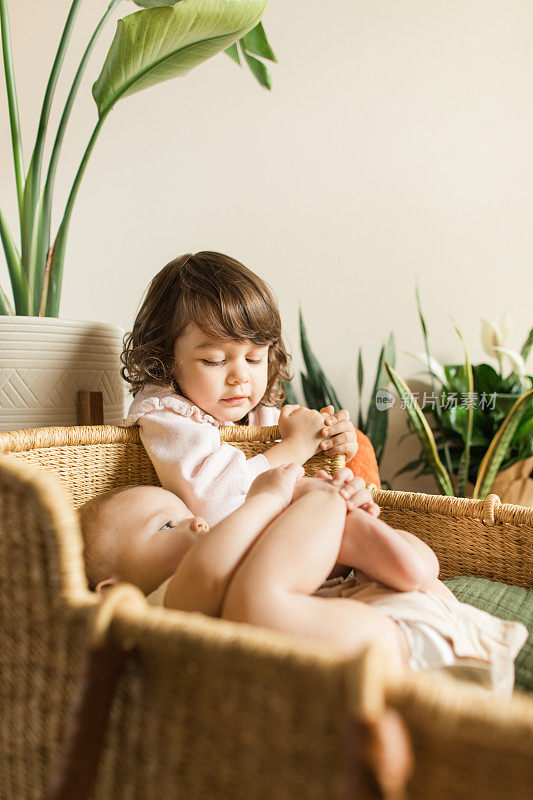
[{"x": 212, "y": 478}]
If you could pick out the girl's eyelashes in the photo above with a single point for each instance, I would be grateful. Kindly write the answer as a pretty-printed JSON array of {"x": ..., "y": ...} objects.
[
  {"x": 220, "y": 363},
  {"x": 168, "y": 526}
]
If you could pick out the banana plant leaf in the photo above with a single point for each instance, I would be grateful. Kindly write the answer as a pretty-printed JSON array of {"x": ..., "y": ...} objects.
[
  {"x": 162, "y": 43},
  {"x": 499, "y": 446},
  {"x": 154, "y": 3},
  {"x": 423, "y": 431}
]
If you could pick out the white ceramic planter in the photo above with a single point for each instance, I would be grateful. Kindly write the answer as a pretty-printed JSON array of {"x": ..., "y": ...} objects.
[{"x": 45, "y": 362}]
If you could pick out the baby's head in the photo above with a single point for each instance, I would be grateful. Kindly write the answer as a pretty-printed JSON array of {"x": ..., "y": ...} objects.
[
  {"x": 210, "y": 329},
  {"x": 136, "y": 534}
]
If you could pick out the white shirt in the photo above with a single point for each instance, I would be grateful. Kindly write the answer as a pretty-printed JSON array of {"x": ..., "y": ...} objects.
[{"x": 183, "y": 442}]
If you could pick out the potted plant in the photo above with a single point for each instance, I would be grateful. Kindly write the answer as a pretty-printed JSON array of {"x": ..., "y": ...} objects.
[
  {"x": 475, "y": 421},
  {"x": 166, "y": 39}
]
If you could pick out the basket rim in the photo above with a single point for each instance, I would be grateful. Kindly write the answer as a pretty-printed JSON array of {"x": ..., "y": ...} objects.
[
  {"x": 490, "y": 511},
  {"x": 35, "y": 438}
]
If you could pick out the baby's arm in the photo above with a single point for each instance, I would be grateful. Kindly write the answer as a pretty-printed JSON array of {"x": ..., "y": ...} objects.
[{"x": 201, "y": 579}]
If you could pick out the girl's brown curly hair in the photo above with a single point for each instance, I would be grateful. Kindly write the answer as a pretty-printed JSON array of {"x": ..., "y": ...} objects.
[{"x": 219, "y": 295}]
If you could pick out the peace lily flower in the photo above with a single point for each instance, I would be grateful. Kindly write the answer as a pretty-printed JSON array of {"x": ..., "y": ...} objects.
[
  {"x": 495, "y": 338},
  {"x": 432, "y": 366}
]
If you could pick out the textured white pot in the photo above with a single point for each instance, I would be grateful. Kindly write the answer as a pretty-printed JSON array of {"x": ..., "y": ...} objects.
[{"x": 45, "y": 362}]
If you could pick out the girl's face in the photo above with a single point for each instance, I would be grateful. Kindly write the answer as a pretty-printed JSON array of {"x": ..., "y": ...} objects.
[{"x": 224, "y": 378}]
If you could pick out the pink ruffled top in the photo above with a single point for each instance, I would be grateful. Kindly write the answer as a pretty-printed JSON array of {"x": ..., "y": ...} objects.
[{"x": 183, "y": 442}]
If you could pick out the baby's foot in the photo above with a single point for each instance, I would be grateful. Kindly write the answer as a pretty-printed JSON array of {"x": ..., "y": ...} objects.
[
  {"x": 279, "y": 483},
  {"x": 352, "y": 490}
]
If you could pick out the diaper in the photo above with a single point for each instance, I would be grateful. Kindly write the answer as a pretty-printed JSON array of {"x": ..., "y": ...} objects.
[{"x": 442, "y": 633}]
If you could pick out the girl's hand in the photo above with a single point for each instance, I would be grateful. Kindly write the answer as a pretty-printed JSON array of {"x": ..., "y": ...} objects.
[
  {"x": 303, "y": 427},
  {"x": 352, "y": 490},
  {"x": 340, "y": 433}
]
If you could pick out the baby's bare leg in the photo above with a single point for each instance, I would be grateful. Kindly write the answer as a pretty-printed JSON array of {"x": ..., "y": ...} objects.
[
  {"x": 395, "y": 557},
  {"x": 293, "y": 557}
]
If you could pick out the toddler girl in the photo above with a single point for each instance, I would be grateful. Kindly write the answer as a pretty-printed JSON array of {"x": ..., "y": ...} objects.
[
  {"x": 267, "y": 564},
  {"x": 206, "y": 350}
]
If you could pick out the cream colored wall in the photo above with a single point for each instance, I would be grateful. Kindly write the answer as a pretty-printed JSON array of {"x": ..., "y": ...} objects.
[{"x": 396, "y": 145}]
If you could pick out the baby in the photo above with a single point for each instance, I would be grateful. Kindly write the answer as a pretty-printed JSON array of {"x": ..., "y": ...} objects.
[{"x": 268, "y": 563}]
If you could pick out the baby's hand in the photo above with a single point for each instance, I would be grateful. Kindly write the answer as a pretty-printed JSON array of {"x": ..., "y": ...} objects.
[
  {"x": 303, "y": 426},
  {"x": 352, "y": 490},
  {"x": 279, "y": 483},
  {"x": 340, "y": 431}
]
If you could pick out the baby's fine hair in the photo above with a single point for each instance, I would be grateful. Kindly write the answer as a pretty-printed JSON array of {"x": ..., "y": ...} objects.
[{"x": 221, "y": 297}]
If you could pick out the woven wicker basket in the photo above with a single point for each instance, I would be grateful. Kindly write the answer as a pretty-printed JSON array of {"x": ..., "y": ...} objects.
[{"x": 208, "y": 709}]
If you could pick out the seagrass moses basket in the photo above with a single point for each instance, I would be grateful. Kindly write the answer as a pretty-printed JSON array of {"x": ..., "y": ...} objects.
[{"x": 208, "y": 709}]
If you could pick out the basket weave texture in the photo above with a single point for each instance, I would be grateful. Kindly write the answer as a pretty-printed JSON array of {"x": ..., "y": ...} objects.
[{"x": 208, "y": 709}]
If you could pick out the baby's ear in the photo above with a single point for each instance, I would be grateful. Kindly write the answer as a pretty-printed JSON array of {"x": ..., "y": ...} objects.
[{"x": 103, "y": 586}]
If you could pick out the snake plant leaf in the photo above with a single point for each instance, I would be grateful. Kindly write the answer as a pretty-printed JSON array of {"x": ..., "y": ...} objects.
[
  {"x": 526, "y": 347},
  {"x": 423, "y": 432},
  {"x": 316, "y": 378},
  {"x": 311, "y": 398},
  {"x": 377, "y": 420},
  {"x": 524, "y": 431},
  {"x": 464, "y": 463},
  {"x": 499, "y": 445},
  {"x": 360, "y": 384},
  {"x": 290, "y": 396},
  {"x": 158, "y": 44}
]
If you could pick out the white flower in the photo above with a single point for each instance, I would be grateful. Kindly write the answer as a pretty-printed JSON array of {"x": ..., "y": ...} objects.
[
  {"x": 495, "y": 339},
  {"x": 516, "y": 360},
  {"x": 493, "y": 335},
  {"x": 432, "y": 366}
]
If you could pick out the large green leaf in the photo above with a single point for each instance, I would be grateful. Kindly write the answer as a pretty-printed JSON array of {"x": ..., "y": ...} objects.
[
  {"x": 498, "y": 447},
  {"x": 155, "y": 3},
  {"x": 158, "y": 44}
]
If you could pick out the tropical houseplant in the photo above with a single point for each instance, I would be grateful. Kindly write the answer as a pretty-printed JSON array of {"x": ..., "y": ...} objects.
[
  {"x": 166, "y": 39},
  {"x": 319, "y": 392},
  {"x": 475, "y": 421}
]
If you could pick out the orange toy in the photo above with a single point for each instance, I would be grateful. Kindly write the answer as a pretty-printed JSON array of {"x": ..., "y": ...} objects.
[{"x": 364, "y": 464}]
